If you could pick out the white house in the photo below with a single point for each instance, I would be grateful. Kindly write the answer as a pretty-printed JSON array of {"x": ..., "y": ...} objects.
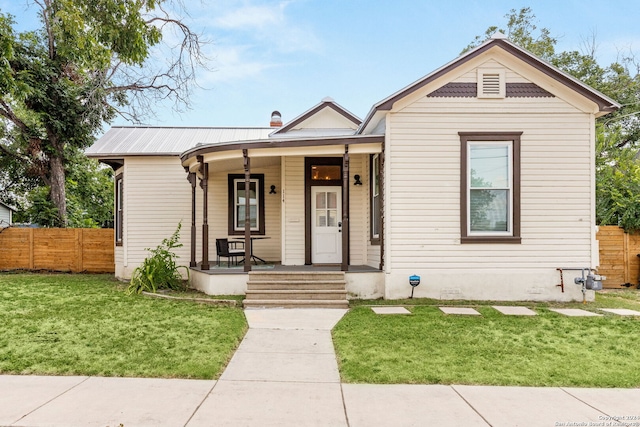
[{"x": 479, "y": 178}]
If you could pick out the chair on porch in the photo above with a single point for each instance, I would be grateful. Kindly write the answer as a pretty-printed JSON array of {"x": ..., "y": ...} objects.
[{"x": 224, "y": 249}]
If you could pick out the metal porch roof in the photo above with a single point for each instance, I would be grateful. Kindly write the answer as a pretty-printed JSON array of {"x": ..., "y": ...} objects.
[{"x": 138, "y": 140}]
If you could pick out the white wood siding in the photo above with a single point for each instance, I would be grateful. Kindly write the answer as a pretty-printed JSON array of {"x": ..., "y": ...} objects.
[
  {"x": 510, "y": 75},
  {"x": 267, "y": 249},
  {"x": 293, "y": 207},
  {"x": 5, "y": 215},
  {"x": 555, "y": 190},
  {"x": 157, "y": 197},
  {"x": 373, "y": 251},
  {"x": 294, "y": 210},
  {"x": 358, "y": 209}
]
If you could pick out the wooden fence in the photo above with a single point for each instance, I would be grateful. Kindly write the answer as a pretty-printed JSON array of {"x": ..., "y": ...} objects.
[
  {"x": 57, "y": 249},
  {"x": 92, "y": 250},
  {"x": 618, "y": 257}
]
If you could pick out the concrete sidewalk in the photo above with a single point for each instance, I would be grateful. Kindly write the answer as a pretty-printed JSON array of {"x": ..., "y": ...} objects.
[{"x": 285, "y": 373}]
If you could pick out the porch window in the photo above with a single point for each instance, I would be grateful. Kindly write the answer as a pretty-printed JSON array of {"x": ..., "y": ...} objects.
[
  {"x": 237, "y": 199},
  {"x": 326, "y": 172},
  {"x": 375, "y": 199},
  {"x": 119, "y": 209},
  {"x": 490, "y": 207}
]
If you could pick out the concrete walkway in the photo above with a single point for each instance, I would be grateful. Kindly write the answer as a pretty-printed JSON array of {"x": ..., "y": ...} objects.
[{"x": 285, "y": 374}]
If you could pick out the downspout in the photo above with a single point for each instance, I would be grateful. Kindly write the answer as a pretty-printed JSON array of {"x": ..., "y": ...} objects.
[
  {"x": 204, "y": 184},
  {"x": 191, "y": 177},
  {"x": 247, "y": 211},
  {"x": 345, "y": 209}
]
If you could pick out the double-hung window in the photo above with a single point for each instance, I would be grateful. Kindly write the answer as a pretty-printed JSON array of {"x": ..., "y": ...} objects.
[
  {"x": 238, "y": 194},
  {"x": 375, "y": 199},
  {"x": 119, "y": 211},
  {"x": 490, "y": 187}
]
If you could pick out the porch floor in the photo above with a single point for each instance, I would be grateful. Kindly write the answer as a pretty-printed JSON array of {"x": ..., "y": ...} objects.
[{"x": 239, "y": 269}]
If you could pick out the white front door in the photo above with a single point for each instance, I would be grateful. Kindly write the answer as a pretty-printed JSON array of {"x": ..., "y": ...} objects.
[{"x": 326, "y": 225}]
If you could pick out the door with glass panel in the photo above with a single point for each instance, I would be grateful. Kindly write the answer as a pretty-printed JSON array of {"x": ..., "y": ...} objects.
[{"x": 326, "y": 226}]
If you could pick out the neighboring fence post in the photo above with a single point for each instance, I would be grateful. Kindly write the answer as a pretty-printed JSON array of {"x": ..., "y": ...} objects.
[
  {"x": 31, "y": 250},
  {"x": 625, "y": 245},
  {"x": 79, "y": 241}
]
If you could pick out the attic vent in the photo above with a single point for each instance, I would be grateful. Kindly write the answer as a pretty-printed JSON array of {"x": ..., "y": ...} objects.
[{"x": 491, "y": 84}]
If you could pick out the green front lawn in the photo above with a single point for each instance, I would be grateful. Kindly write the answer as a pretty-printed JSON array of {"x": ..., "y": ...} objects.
[
  {"x": 429, "y": 347},
  {"x": 62, "y": 324}
]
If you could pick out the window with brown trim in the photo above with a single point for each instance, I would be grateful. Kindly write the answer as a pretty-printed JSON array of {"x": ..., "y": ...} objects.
[
  {"x": 119, "y": 209},
  {"x": 376, "y": 216},
  {"x": 237, "y": 198},
  {"x": 490, "y": 187}
]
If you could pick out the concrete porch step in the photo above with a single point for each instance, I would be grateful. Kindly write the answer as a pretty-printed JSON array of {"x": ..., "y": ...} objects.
[
  {"x": 295, "y": 289},
  {"x": 303, "y": 284},
  {"x": 296, "y": 303},
  {"x": 297, "y": 294},
  {"x": 295, "y": 276}
]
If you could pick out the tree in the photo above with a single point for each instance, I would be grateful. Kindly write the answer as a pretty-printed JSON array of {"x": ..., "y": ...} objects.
[
  {"x": 617, "y": 183},
  {"x": 90, "y": 61},
  {"x": 521, "y": 30},
  {"x": 618, "y": 133},
  {"x": 89, "y": 197}
]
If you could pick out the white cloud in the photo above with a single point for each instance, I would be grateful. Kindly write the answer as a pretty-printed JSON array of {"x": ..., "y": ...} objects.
[
  {"x": 271, "y": 25},
  {"x": 252, "y": 36},
  {"x": 232, "y": 63},
  {"x": 250, "y": 17}
]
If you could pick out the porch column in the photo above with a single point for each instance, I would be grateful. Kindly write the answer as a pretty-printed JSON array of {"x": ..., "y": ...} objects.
[
  {"x": 204, "y": 183},
  {"x": 248, "y": 250},
  {"x": 191, "y": 177},
  {"x": 345, "y": 209}
]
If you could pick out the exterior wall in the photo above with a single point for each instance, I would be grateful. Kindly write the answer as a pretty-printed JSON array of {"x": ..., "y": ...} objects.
[
  {"x": 157, "y": 197},
  {"x": 267, "y": 249},
  {"x": 358, "y": 209},
  {"x": 219, "y": 284},
  {"x": 5, "y": 215},
  {"x": 373, "y": 251},
  {"x": 293, "y": 208},
  {"x": 423, "y": 198},
  {"x": 365, "y": 285},
  {"x": 326, "y": 118},
  {"x": 119, "y": 260}
]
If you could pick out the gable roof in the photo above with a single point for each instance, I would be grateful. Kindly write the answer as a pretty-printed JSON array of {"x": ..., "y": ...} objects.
[
  {"x": 605, "y": 104},
  {"x": 325, "y": 103}
]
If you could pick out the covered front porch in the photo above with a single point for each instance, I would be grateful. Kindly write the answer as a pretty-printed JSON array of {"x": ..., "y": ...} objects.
[{"x": 290, "y": 202}]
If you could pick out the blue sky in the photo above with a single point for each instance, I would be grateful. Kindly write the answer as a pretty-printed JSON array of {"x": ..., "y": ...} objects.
[{"x": 288, "y": 55}]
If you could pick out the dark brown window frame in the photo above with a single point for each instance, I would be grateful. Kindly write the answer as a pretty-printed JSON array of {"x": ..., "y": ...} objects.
[
  {"x": 515, "y": 138},
  {"x": 375, "y": 240},
  {"x": 119, "y": 214},
  {"x": 231, "y": 202}
]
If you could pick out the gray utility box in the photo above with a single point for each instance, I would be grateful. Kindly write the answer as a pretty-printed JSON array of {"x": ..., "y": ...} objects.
[{"x": 594, "y": 282}]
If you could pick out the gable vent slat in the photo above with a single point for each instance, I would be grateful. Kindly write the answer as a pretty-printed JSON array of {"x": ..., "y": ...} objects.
[{"x": 491, "y": 84}]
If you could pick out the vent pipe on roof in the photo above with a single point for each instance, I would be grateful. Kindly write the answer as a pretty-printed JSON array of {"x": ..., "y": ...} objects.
[{"x": 276, "y": 119}]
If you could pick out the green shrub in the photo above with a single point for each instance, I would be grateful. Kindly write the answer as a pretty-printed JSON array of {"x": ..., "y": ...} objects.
[{"x": 159, "y": 271}]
